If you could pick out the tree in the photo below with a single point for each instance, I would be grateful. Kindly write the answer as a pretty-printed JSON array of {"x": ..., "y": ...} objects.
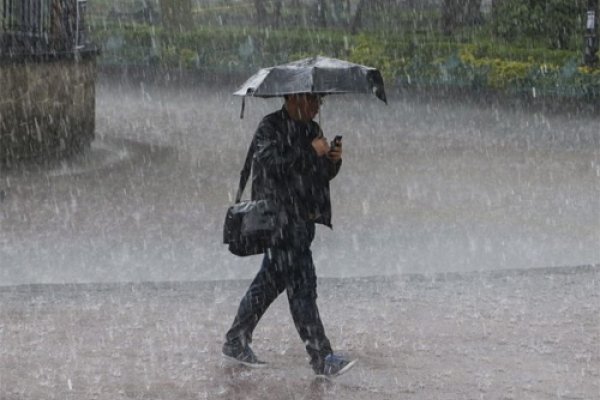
[
  {"x": 277, "y": 13},
  {"x": 295, "y": 6},
  {"x": 337, "y": 11},
  {"x": 263, "y": 18},
  {"x": 321, "y": 13},
  {"x": 373, "y": 9},
  {"x": 357, "y": 19},
  {"x": 457, "y": 13},
  {"x": 558, "y": 23},
  {"x": 176, "y": 14},
  {"x": 495, "y": 5},
  {"x": 261, "y": 12}
]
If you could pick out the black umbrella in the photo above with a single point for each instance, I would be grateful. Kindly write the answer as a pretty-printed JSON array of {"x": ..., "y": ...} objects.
[{"x": 317, "y": 75}]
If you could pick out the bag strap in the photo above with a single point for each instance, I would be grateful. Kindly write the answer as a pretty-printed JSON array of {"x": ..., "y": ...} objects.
[{"x": 245, "y": 173}]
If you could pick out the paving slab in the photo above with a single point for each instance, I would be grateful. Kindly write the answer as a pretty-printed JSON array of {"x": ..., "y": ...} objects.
[{"x": 532, "y": 334}]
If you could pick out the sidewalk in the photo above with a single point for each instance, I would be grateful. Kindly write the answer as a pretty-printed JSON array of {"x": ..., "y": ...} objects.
[{"x": 501, "y": 335}]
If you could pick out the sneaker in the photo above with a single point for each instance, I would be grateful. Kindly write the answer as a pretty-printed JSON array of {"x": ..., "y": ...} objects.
[
  {"x": 335, "y": 365},
  {"x": 244, "y": 356}
]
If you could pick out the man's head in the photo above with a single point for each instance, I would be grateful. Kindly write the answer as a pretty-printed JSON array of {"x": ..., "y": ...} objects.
[{"x": 303, "y": 106}]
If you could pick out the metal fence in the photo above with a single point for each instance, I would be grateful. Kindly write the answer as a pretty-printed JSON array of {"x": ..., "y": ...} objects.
[
  {"x": 27, "y": 16},
  {"x": 30, "y": 27}
]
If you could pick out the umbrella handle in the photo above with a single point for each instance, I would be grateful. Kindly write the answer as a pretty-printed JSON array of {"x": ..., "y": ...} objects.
[{"x": 243, "y": 107}]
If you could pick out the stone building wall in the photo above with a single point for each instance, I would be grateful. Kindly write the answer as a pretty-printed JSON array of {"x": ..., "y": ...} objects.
[{"x": 47, "y": 108}]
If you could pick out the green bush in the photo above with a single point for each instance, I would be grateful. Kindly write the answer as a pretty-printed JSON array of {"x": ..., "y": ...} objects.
[
  {"x": 407, "y": 60},
  {"x": 207, "y": 47}
]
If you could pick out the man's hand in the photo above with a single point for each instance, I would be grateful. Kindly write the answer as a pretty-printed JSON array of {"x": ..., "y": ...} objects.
[
  {"x": 335, "y": 153},
  {"x": 321, "y": 146}
]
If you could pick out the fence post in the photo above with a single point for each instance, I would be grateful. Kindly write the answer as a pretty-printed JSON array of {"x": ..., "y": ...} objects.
[{"x": 590, "y": 57}]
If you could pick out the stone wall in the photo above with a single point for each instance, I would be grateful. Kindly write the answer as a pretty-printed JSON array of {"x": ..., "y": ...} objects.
[{"x": 47, "y": 108}]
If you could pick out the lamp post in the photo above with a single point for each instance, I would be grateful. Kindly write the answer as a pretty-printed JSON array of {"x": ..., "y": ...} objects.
[{"x": 591, "y": 38}]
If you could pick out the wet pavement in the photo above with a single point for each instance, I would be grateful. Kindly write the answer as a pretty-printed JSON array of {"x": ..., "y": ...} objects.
[
  {"x": 531, "y": 334},
  {"x": 428, "y": 185},
  {"x": 463, "y": 264}
]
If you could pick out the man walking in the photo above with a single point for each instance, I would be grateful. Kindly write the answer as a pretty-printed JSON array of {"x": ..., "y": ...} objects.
[{"x": 292, "y": 166}]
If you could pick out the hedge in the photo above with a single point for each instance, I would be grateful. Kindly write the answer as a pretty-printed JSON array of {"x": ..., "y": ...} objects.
[{"x": 406, "y": 60}]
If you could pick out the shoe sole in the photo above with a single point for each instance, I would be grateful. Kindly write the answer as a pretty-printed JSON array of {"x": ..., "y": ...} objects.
[
  {"x": 234, "y": 360},
  {"x": 340, "y": 372}
]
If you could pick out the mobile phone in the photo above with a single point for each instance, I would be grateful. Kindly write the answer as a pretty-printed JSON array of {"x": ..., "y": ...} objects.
[{"x": 336, "y": 141}]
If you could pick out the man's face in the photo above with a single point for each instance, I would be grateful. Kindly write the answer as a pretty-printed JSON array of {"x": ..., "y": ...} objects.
[{"x": 307, "y": 105}]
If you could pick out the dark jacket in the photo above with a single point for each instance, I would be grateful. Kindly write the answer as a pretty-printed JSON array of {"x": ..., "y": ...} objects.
[{"x": 287, "y": 169}]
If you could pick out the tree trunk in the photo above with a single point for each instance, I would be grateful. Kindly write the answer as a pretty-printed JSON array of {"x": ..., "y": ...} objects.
[
  {"x": 261, "y": 12},
  {"x": 473, "y": 12},
  {"x": 457, "y": 13},
  {"x": 357, "y": 19},
  {"x": 322, "y": 13},
  {"x": 277, "y": 13},
  {"x": 337, "y": 9}
]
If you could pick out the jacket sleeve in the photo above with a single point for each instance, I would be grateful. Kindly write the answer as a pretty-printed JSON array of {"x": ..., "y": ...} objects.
[
  {"x": 277, "y": 155},
  {"x": 334, "y": 168}
]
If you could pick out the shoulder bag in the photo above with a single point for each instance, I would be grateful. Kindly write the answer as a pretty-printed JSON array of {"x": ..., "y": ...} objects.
[{"x": 250, "y": 225}]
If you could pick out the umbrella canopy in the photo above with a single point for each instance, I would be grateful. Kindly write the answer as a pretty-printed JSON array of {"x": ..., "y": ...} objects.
[{"x": 317, "y": 75}]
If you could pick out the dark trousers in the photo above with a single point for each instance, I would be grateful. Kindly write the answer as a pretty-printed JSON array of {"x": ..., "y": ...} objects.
[{"x": 288, "y": 267}]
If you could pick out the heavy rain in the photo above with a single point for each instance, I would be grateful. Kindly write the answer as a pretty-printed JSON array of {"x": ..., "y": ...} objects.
[{"x": 464, "y": 259}]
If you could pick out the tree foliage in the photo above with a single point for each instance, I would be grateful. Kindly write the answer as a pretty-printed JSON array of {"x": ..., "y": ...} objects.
[
  {"x": 554, "y": 22},
  {"x": 177, "y": 14},
  {"x": 460, "y": 13}
]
